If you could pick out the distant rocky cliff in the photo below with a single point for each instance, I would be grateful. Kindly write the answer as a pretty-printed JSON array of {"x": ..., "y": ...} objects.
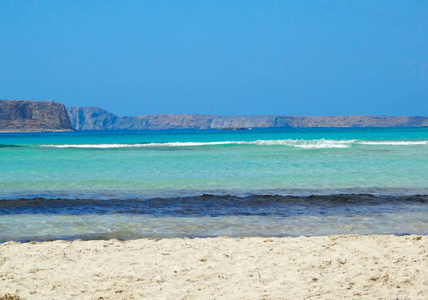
[
  {"x": 18, "y": 115},
  {"x": 95, "y": 118}
]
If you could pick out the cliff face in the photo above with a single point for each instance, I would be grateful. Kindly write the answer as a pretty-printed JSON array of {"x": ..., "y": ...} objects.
[
  {"x": 94, "y": 118},
  {"x": 18, "y": 115}
]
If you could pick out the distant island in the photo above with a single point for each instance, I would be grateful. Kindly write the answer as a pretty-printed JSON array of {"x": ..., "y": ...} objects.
[
  {"x": 95, "y": 118},
  {"x": 34, "y": 116}
]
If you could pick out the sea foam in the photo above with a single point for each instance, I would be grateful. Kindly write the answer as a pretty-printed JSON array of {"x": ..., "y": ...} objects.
[
  {"x": 321, "y": 143},
  {"x": 394, "y": 143},
  {"x": 305, "y": 144}
]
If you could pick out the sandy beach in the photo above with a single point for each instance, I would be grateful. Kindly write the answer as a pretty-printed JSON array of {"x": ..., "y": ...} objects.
[{"x": 327, "y": 267}]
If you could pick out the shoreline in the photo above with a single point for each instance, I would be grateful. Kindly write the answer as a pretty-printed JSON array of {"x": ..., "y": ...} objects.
[{"x": 323, "y": 267}]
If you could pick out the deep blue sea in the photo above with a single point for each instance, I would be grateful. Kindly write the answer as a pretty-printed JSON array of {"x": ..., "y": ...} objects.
[{"x": 260, "y": 182}]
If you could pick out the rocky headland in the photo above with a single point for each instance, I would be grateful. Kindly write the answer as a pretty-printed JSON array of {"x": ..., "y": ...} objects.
[
  {"x": 95, "y": 118},
  {"x": 33, "y": 116}
]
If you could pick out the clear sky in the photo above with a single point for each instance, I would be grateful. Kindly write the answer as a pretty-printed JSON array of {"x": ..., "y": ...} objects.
[{"x": 218, "y": 57}]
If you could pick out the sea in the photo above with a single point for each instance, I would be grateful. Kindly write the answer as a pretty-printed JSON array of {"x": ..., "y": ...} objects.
[{"x": 207, "y": 183}]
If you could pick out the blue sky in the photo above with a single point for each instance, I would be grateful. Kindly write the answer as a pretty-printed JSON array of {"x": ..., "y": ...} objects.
[{"x": 218, "y": 57}]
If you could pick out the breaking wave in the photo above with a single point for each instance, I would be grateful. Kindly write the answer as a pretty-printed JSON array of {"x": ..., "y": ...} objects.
[
  {"x": 394, "y": 143},
  {"x": 305, "y": 144}
]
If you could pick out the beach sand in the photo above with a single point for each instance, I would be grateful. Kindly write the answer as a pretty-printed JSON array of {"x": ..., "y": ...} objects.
[{"x": 327, "y": 267}]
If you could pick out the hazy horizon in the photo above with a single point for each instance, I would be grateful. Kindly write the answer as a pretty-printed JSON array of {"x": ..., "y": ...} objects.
[{"x": 255, "y": 115}]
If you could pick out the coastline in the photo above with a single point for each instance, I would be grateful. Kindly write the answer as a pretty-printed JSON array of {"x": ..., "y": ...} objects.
[{"x": 335, "y": 266}]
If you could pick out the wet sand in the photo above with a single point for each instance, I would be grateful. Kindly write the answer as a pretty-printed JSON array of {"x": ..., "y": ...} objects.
[{"x": 327, "y": 267}]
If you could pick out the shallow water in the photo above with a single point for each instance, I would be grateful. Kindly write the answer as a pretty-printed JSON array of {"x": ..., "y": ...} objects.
[{"x": 129, "y": 185}]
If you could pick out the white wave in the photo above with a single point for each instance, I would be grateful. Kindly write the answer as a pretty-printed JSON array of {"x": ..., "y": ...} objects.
[
  {"x": 321, "y": 146},
  {"x": 189, "y": 144},
  {"x": 307, "y": 144},
  {"x": 107, "y": 146},
  {"x": 104, "y": 146},
  {"x": 394, "y": 143},
  {"x": 325, "y": 144}
]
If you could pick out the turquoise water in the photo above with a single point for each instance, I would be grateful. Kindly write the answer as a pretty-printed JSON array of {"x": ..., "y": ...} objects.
[
  {"x": 237, "y": 164},
  {"x": 76, "y": 165}
]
